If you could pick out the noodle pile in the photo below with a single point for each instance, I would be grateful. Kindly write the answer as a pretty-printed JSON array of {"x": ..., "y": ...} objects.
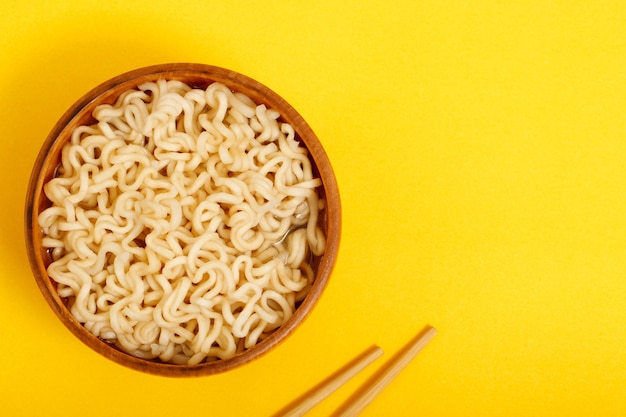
[{"x": 183, "y": 222}]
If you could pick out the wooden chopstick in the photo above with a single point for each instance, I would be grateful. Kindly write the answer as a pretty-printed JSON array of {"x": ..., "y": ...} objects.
[
  {"x": 362, "y": 397},
  {"x": 322, "y": 390}
]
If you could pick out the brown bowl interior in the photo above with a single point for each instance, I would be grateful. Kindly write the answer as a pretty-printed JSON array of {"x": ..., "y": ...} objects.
[{"x": 196, "y": 75}]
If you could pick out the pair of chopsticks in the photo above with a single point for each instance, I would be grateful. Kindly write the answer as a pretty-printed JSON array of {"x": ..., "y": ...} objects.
[{"x": 364, "y": 395}]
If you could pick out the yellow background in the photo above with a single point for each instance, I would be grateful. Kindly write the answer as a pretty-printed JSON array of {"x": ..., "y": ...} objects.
[{"x": 480, "y": 149}]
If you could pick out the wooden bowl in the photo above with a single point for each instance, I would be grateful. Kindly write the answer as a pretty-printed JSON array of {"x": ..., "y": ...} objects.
[{"x": 195, "y": 75}]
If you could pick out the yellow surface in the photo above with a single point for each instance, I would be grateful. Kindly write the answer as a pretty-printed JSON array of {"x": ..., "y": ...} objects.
[{"x": 480, "y": 149}]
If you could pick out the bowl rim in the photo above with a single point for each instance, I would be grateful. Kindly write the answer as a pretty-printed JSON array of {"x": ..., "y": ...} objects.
[{"x": 198, "y": 73}]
